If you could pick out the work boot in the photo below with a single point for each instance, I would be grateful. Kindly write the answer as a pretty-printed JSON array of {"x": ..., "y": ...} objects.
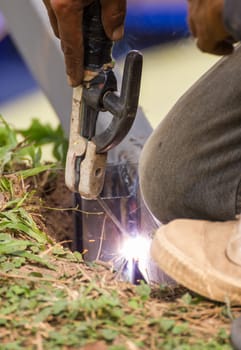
[{"x": 202, "y": 256}]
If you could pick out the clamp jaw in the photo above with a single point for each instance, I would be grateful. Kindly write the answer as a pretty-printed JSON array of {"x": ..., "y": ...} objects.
[{"x": 87, "y": 153}]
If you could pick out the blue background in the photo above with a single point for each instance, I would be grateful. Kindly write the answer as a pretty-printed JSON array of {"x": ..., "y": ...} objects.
[{"x": 145, "y": 26}]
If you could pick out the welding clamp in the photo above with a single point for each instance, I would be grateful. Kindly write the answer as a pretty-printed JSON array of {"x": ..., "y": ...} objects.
[{"x": 87, "y": 152}]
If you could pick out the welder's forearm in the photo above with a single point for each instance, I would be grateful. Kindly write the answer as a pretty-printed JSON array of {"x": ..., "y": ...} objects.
[{"x": 232, "y": 17}]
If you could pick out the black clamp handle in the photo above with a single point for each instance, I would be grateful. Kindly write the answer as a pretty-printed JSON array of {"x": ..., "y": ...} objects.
[
  {"x": 99, "y": 94},
  {"x": 97, "y": 46},
  {"x": 123, "y": 107}
]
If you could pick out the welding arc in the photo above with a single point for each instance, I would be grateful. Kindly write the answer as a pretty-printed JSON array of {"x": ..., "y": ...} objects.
[{"x": 137, "y": 274}]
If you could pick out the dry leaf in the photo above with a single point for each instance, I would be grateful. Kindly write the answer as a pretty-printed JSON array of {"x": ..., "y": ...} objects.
[{"x": 99, "y": 345}]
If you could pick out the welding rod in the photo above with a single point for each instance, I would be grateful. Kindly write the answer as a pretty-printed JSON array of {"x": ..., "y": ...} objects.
[{"x": 112, "y": 217}]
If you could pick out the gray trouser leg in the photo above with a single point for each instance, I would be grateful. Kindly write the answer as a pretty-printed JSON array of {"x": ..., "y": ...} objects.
[{"x": 190, "y": 166}]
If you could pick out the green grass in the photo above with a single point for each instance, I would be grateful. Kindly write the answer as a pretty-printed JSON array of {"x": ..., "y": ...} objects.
[
  {"x": 51, "y": 299},
  {"x": 66, "y": 310}
]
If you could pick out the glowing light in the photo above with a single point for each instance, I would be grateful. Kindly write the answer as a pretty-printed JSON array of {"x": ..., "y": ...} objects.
[{"x": 136, "y": 250}]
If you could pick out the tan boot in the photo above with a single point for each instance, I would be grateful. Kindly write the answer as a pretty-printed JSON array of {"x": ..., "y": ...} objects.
[{"x": 194, "y": 253}]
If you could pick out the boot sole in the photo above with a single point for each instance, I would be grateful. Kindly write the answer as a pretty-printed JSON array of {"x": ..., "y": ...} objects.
[{"x": 206, "y": 282}]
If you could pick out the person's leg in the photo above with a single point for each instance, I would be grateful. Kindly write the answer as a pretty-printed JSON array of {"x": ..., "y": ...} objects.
[
  {"x": 191, "y": 165},
  {"x": 191, "y": 168}
]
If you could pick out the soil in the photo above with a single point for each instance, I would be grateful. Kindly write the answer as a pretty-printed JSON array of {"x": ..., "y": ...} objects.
[
  {"x": 57, "y": 209},
  {"x": 58, "y": 220}
]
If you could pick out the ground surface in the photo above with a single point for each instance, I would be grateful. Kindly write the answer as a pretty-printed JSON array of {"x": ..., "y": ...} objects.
[{"x": 51, "y": 299}]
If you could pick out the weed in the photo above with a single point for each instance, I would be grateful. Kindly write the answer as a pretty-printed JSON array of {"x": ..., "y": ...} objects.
[{"x": 50, "y": 299}]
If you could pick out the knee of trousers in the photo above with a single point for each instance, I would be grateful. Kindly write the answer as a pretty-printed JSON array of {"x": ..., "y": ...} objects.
[
  {"x": 176, "y": 184},
  {"x": 191, "y": 165}
]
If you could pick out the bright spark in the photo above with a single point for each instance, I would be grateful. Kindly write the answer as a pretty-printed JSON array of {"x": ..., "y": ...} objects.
[{"x": 136, "y": 249}]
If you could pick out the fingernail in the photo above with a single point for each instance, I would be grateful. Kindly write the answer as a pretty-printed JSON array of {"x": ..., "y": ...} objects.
[{"x": 118, "y": 33}]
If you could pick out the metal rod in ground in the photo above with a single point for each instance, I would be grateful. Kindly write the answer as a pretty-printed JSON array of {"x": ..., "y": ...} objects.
[{"x": 112, "y": 217}]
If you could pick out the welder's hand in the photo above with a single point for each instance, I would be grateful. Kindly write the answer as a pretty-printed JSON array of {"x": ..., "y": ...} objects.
[
  {"x": 66, "y": 20},
  {"x": 207, "y": 25}
]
